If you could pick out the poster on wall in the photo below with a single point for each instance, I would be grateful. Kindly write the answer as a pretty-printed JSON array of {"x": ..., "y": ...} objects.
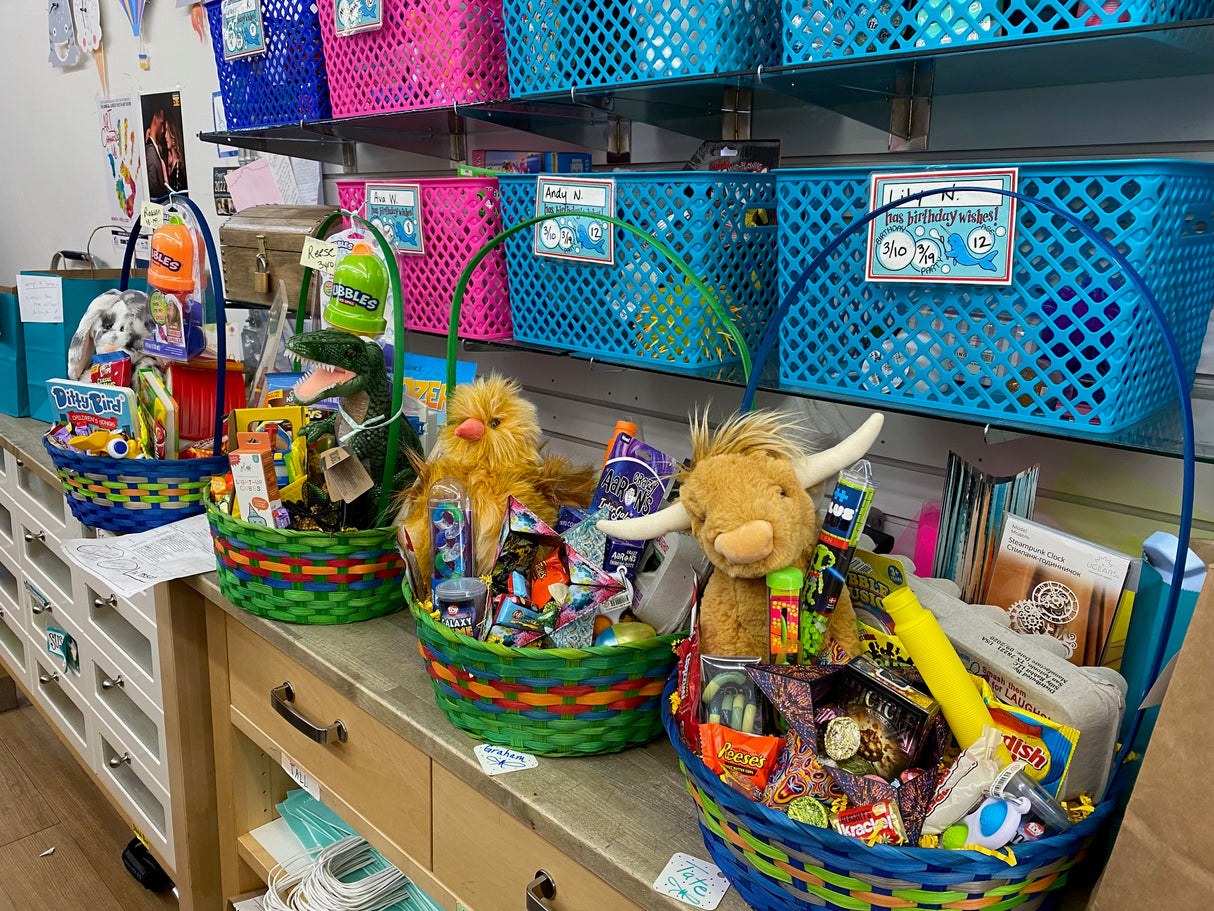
[
  {"x": 163, "y": 144},
  {"x": 119, "y": 122},
  {"x": 223, "y": 196}
]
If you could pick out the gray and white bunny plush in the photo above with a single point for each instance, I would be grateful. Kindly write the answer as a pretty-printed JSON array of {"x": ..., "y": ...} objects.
[{"x": 114, "y": 321}]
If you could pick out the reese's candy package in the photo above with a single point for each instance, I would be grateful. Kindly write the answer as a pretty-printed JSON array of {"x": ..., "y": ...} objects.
[{"x": 751, "y": 755}]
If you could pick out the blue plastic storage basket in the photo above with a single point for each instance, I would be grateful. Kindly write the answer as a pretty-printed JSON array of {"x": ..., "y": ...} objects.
[
  {"x": 816, "y": 30},
  {"x": 1067, "y": 345},
  {"x": 556, "y": 45},
  {"x": 286, "y": 84},
  {"x": 641, "y": 310}
]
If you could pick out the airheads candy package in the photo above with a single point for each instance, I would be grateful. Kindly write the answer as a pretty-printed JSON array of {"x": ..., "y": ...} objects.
[{"x": 635, "y": 481}]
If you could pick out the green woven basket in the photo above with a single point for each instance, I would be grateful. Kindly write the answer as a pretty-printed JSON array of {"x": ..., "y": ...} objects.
[
  {"x": 548, "y": 701},
  {"x": 307, "y": 576}
]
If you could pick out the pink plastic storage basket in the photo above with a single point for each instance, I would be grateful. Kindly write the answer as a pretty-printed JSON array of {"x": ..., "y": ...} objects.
[
  {"x": 459, "y": 215},
  {"x": 428, "y": 53}
]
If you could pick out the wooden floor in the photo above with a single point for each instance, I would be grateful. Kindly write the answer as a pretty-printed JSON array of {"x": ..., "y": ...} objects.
[{"x": 47, "y": 801}]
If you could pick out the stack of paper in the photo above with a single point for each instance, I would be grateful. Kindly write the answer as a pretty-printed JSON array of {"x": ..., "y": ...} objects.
[{"x": 971, "y": 517}]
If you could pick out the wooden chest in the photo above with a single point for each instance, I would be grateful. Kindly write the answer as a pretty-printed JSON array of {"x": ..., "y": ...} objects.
[{"x": 276, "y": 231}]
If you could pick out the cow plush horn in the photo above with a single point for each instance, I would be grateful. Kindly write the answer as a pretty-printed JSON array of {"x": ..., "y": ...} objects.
[
  {"x": 810, "y": 470},
  {"x": 818, "y": 467}
]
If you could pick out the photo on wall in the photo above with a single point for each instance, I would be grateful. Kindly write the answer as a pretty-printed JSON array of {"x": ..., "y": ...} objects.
[{"x": 163, "y": 144}]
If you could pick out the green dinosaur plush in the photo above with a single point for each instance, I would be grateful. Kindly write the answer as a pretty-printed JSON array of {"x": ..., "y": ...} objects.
[{"x": 340, "y": 364}]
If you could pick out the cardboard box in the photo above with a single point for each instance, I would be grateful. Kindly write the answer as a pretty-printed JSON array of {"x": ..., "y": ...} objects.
[
  {"x": 1163, "y": 858},
  {"x": 14, "y": 397},
  {"x": 532, "y": 162}
]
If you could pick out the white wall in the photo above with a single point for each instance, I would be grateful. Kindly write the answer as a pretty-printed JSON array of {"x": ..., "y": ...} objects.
[{"x": 53, "y": 177}]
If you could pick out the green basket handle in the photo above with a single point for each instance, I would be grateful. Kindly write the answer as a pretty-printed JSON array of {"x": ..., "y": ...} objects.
[
  {"x": 398, "y": 345},
  {"x": 707, "y": 293}
]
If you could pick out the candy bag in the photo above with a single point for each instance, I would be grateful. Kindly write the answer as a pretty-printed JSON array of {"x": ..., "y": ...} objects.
[{"x": 750, "y": 755}]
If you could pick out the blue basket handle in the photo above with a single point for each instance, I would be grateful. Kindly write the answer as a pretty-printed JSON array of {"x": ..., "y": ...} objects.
[
  {"x": 772, "y": 332},
  {"x": 221, "y": 313}
]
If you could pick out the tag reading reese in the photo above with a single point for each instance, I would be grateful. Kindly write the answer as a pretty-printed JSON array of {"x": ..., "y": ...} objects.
[{"x": 320, "y": 255}]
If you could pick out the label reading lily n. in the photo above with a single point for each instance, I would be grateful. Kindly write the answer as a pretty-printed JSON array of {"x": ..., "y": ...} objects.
[
  {"x": 244, "y": 32},
  {"x": 580, "y": 233},
  {"x": 957, "y": 235}
]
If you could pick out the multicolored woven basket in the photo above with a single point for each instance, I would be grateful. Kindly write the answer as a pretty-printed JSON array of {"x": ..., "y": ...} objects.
[
  {"x": 550, "y": 702},
  {"x": 780, "y": 865},
  {"x": 132, "y": 495},
  {"x": 313, "y": 576},
  {"x": 307, "y": 576}
]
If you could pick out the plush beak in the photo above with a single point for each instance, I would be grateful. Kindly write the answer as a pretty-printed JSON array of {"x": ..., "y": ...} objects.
[{"x": 471, "y": 429}]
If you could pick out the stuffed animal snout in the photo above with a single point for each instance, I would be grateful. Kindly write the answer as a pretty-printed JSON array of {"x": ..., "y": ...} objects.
[{"x": 750, "y": 542}]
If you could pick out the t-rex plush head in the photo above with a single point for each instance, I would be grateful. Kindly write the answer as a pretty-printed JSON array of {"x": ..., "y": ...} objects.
[{"x": 746, "y": 500}]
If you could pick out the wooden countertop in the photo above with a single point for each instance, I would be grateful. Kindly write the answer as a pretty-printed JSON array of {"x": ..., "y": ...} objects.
[{"x": 621, "y": 816}]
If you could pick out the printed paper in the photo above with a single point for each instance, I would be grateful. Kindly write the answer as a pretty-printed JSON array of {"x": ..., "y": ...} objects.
[{"x": 132, "y": 563}]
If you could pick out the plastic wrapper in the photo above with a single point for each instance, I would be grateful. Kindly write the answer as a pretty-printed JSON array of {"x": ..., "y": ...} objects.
[
  {"x": 965, "y": 784},
  {"x": 798, "y": 773},
  {"x": 729, "y": 697},
  {"x": 749, "y": 755}
]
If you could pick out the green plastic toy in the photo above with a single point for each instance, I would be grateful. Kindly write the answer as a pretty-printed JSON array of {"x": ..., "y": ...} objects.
[{"x": 360, "y": 290}]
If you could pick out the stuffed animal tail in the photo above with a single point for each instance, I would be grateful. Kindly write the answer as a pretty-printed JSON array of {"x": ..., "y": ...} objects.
[{"x": 565, "y": 484}]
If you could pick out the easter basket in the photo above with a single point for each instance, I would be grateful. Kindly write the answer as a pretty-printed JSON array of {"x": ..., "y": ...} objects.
[
  {"x": 315, "y": 577},
  {"x": 562, "y": 701},
  {"x": 777, "y": 864},
  {"x": 133, "y": 495}
]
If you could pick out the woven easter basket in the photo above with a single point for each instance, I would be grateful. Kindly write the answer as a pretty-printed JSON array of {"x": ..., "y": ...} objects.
[
  {"x": 780, "y": 865},
  {"x": 552, "y": 702},
  {"x": 133, "y": 495},
  {"x": 315, "y": 577}
]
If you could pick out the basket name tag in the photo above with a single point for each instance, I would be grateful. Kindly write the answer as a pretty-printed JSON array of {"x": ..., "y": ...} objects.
[
  {"x": 579, "y": 233},
  {"x": 497, "y": 760},
  {"x": 692, "y": 881},
  {"x": 300, "y": 777},
  {"x": 151, "y": 215},
  {"x": 346, "y": 477},
  {"x": 350, "y": 17},
  {"x": 396, "y": 210},
  {"x": 63, "y": 647},
  {"x": 957, "y": 235},
  {"x": 243, "y": 29},
  {"x": 320, "y": 255}
]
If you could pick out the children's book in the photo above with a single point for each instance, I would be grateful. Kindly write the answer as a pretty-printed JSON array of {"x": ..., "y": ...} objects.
[{"x": 92, "y": 406}]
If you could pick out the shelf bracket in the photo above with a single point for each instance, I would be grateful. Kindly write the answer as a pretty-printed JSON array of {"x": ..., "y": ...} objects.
[
  {"x": 910, "y": 110},
  {"x": 736, "y": 107},
  {"x": 619, "y": 141},
  {"x": 458, "y": 131},
  {"x": 349, "y": 157}
]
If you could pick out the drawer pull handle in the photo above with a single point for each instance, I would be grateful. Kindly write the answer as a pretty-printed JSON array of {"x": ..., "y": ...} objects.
[
  {"x": 20, "y": 463},
  {"x": 44, "y": 679},
  {"x": 31, "y": 537},
  {"x": 116, "y": 761},
  {"x": 542, "y": 888},
  {"x": 108, "y": 684},
  {"x": 39, "y": 608},
  {"x": 111, "y": 601},
  {"x": 281, "y": 698}
]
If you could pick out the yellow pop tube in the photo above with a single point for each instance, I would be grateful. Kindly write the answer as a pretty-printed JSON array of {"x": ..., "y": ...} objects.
[{"x": 945, "y": 675}]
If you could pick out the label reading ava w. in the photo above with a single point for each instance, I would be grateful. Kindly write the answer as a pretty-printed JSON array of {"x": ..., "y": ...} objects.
[
  {"x": 396, "y": 210},
  {"x": 958, "y": 234}
]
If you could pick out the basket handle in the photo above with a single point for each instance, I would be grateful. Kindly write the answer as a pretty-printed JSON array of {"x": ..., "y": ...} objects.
[
  {"x": 221, "y": 313},
  {"x": 707, "y": 293},
  {"x": 1178, "y": 374},
  {"x": 398, "y": 345}
]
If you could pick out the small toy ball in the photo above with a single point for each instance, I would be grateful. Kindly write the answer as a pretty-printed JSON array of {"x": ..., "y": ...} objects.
[
  {"x": 808, "y": 810},
  {"x": 625, "y": 632},
  {"x": 601, "y": 623}
]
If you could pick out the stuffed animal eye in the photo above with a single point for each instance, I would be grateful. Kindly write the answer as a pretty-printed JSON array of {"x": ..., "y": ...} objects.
[
  {"x": 783, "y": 492},
  {"x": 494, "y": 422}
]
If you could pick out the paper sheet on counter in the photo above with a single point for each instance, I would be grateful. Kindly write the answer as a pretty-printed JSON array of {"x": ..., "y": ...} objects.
[{"x": 132, "y": 563}]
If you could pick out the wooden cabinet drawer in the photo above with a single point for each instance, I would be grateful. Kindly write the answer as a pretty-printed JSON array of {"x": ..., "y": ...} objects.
[
  {"x": 62, "y": 703},
  {"x": 128, "y": 713},
  {"x": 44, "y": 501},
  {"x": 122, "y": 633},
  {"x": 487, "y": 857},
  {"x": 14, "y": 646},
  {"x": 373, "y": 779},
  {"x": 121, "y": 769},
  {"x": 40, "y": 556},
  {"x": 10, "y": 586}
]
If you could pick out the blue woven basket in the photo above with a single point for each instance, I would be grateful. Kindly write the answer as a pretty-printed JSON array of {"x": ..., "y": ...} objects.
[
  {"x": 131, "y": 495},
  {"x": 780, "y": 865},
  {"x": 284, "y": 85},
  {"x": 557, "y": 45},
  {"x": 815, "y": 30},
  {"x": 640, "y": 310},
  {"x": 1067, "y": 345}
]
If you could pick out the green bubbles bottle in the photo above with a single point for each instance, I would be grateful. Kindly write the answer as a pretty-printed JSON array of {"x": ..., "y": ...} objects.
[{"x": 360, "y": 290}]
